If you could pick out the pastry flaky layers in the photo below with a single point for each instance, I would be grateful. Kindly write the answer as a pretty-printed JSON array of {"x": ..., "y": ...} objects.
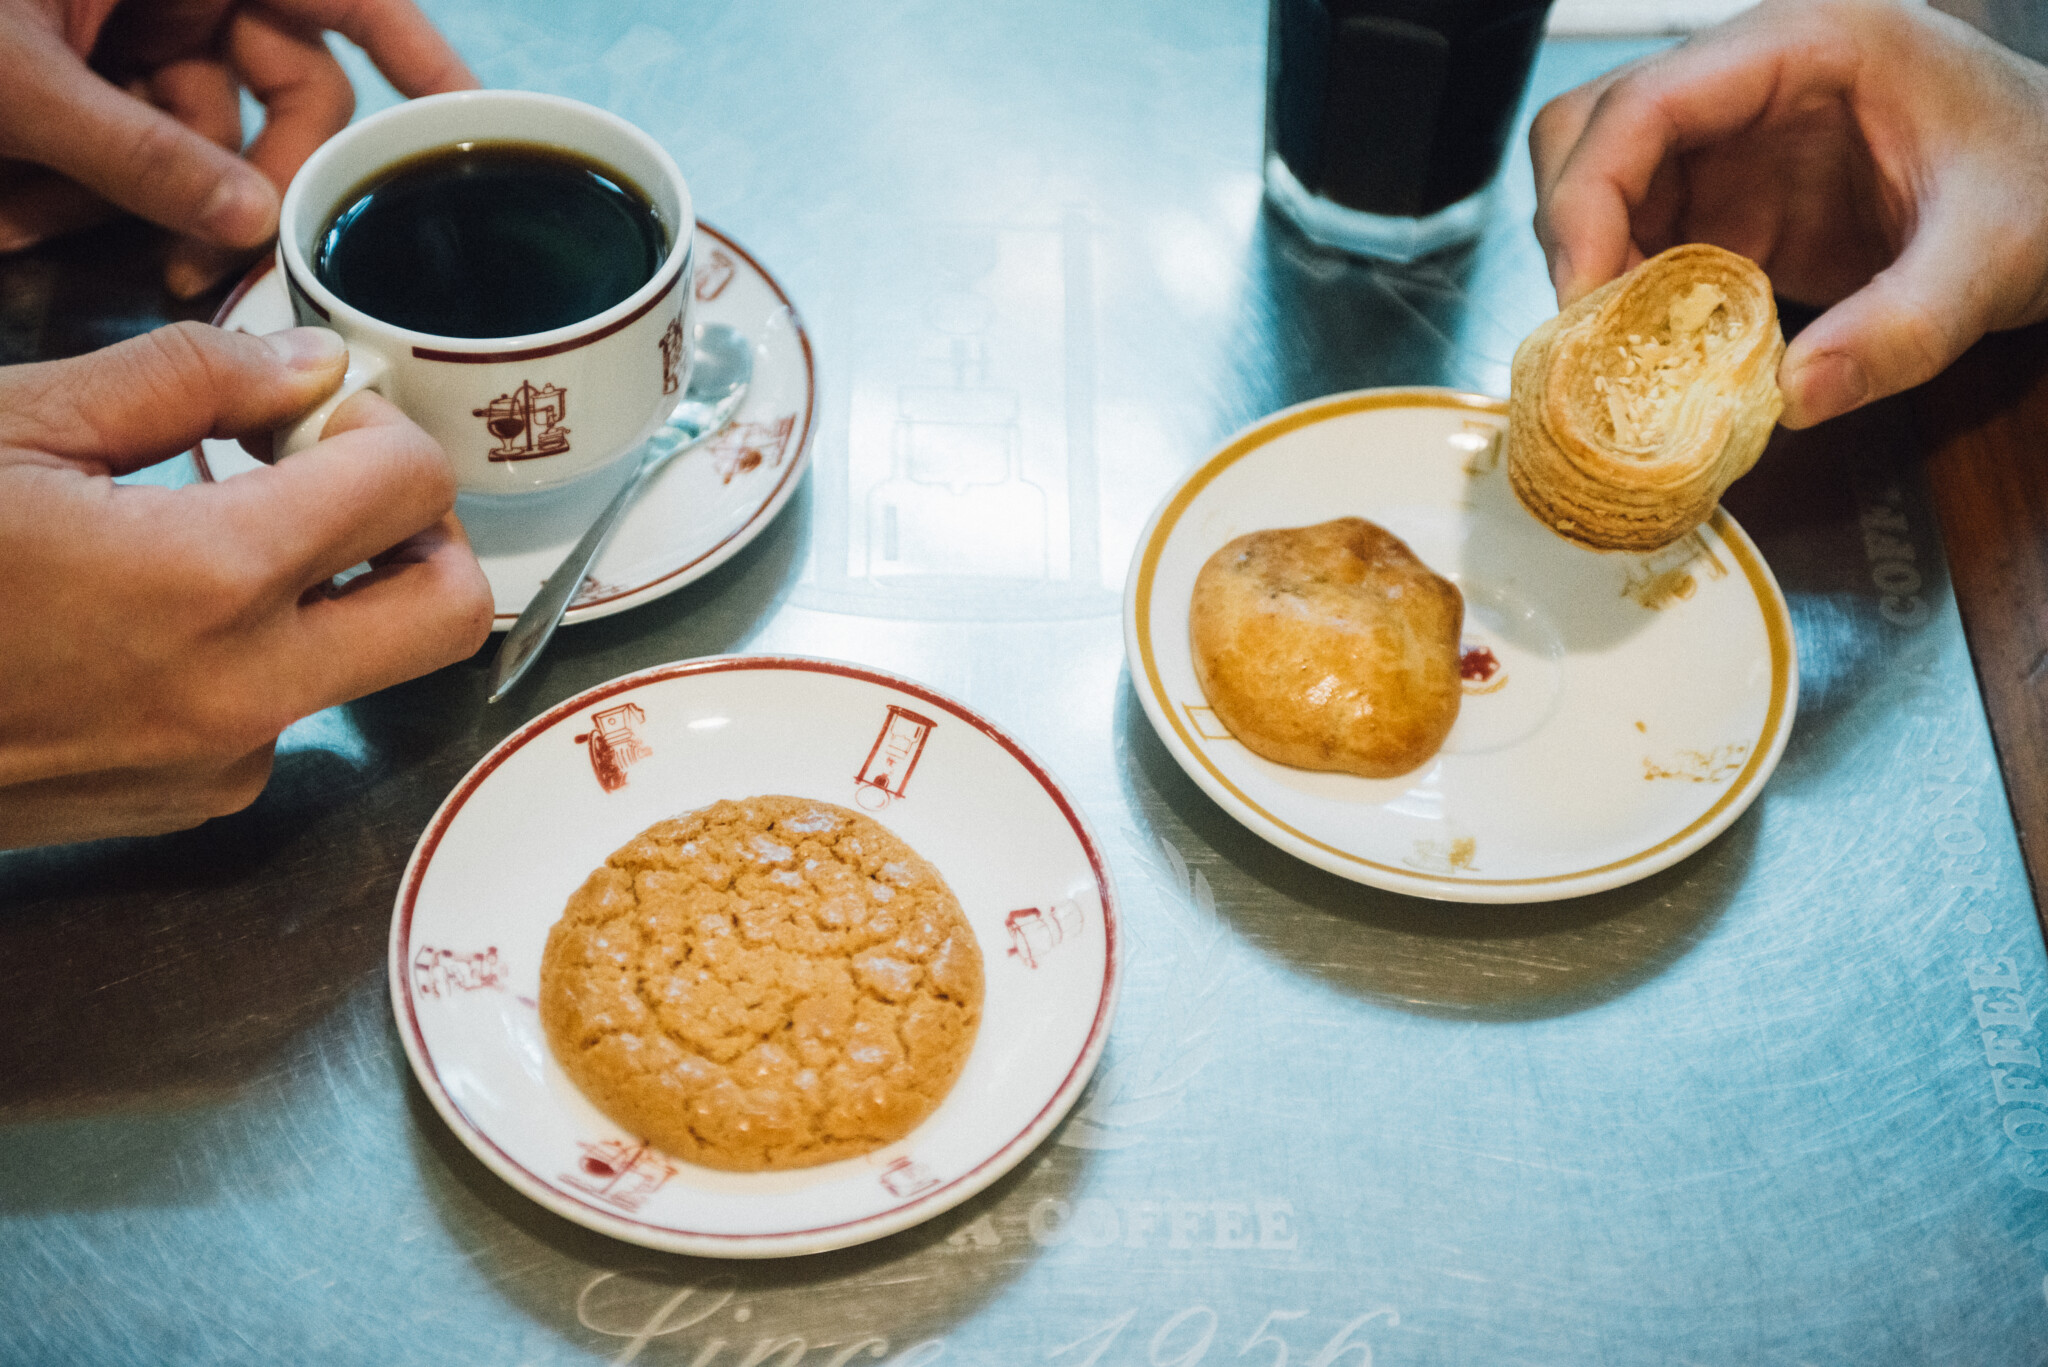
[
  {"x": 770, "y": 983},
  {"x": 1635, "y": 408},
  {"x": 1329, "y": 647}
]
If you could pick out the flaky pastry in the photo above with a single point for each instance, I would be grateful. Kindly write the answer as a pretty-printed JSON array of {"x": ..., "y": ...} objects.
[{"x": 1634, "y": 409}]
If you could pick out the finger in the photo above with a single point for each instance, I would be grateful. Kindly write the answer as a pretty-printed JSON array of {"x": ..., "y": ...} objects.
[
  {"x": 1657, "y": 222},
  {"x": 1583, "y": 222},
  {"x": 1658, "y": 110},
  {"x": 422, "y": 544},
  {"x": 192, "y": 267},
  {"x": 38, "y": 205},
  {"x": 306, "y": 96},
  {"x": 1555, "y": 131},
  {"x": 1552, "y": 137},
  {"x": 1912, "y": 319},
  {"x": 1556, "y": 128},
  {"x": 372, "y": 480},
  {"x": 427, "y": 606},
  {"x": 137, "y": 39},
  {"x": 261, "y": 444},
  {"x": 139, "y": 401},
  {"x": 241, "y": 783},
  {"x": 58, "y": 114},
  {"x": 202, "y": 94},
  {"x": 121, "y": 802},
  {"x": 405, "y": 47}
]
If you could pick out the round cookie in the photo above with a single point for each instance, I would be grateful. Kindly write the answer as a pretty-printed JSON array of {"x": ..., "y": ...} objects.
[{"x": 770, "y": 983}]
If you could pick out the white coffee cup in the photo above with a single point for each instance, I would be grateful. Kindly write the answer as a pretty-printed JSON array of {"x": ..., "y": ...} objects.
[{"x": 573, "y": 399}]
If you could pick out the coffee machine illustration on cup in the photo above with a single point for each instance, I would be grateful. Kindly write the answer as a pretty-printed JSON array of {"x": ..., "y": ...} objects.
[{"x": 527, "y": 422}]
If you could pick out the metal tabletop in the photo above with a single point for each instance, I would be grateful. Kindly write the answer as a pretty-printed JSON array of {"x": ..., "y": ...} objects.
[{"x": 1780, "y": 1104}]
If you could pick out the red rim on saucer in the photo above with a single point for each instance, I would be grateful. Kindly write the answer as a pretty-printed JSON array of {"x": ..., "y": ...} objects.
[{"x": 489, "y": 874}]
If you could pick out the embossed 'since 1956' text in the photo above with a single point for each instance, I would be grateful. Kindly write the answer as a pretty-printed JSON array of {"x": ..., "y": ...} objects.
[{"x": 712, "y": 1326}]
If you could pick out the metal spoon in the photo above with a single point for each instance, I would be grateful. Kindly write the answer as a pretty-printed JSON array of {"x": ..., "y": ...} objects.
[{"x": 721, "y": 367}]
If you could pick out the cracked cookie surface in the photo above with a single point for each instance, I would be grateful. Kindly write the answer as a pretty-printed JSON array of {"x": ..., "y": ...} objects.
[{"x": 769, "y": 983}]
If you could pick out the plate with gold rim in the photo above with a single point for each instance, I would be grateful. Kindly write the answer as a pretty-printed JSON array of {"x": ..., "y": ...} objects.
[
  {"x": 692, "y": 517},
  {"x": 1619, "y": 711}
]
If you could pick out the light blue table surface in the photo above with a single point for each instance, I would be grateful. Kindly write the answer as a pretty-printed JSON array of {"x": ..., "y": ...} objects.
[{"x": 1780, "y": 1104}]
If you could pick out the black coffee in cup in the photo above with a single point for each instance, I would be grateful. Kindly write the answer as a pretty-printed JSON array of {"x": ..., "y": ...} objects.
[{"x": 491, "y": 239}]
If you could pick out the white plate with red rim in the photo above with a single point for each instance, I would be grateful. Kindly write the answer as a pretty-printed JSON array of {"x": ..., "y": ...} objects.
[
  {"x": 692, "y": 517},
  {"x": 1620, "y": 711},
  {"x": 548, "y": 804}
]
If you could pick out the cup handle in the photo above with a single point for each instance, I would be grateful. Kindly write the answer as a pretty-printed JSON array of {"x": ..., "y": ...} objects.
[{"x": 366, "y": 370}]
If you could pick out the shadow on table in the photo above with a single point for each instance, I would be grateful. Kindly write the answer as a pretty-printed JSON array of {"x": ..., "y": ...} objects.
[
  {"x": 600, "y": 1294},
  {"x": 715, "y": 615},
  {"x": 91, "y": 289},
  {"x": 170, "y": 971},
  {"x": 1835, "y": 510},
  {"x": 1340, "y": 322},
  {"x": 1516, "y": 962}
]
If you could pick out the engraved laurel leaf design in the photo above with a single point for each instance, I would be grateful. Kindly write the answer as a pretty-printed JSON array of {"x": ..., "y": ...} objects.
[{"x": 1135, "y": 1091}]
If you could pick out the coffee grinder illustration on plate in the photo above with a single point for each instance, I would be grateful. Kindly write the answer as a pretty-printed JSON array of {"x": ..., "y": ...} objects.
[
  {"x": 527, "y": 422},
  {"x": 886, "y": 773},
  {"x": 615, "y": 743}
]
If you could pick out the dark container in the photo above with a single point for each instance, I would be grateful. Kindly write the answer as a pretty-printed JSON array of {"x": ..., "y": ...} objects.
[{"x": 1398, "y": 108}]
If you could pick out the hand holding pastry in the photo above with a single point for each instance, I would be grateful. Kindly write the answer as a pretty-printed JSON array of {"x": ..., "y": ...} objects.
[
  {"x": 1881, "y": 159},
  {"x": 1636, "y": 407}
]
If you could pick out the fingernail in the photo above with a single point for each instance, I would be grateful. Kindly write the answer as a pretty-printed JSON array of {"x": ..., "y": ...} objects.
[
  {"x": 242, "y": 211},
  {"x": 187, "y": 279},
  {"x": 308, "y": 348},
  {"x": 1826, "y": 386},
  {"x": 193, "y": 267}
]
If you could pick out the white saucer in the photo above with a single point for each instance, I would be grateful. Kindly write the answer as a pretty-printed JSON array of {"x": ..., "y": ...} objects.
[
  {"x": 693, "y": 517},
  {"x": 1634, "y": 706},
  {"x": 524, "y": 828}
]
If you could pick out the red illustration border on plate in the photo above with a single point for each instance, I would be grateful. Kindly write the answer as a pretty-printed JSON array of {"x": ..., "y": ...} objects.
[
  {"x": 443, "y": 818},
  {"x": 768, "y": 506}
]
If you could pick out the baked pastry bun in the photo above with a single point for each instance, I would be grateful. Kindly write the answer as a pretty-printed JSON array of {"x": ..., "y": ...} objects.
[
  {"x": 1329, "y": 647},
  {"x": 1635, "y": 408}
]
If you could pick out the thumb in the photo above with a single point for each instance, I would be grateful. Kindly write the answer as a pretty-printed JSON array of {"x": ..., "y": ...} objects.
[
  {"x": 61, "y": 115},
  {"x": 1902, "y": 329},
  {"x": 153, "y": 396}
]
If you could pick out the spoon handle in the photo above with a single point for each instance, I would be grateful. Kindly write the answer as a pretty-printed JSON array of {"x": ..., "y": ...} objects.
[
  {"x": 537, "y": 622},
  {"x": 724, "y": 362}
]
